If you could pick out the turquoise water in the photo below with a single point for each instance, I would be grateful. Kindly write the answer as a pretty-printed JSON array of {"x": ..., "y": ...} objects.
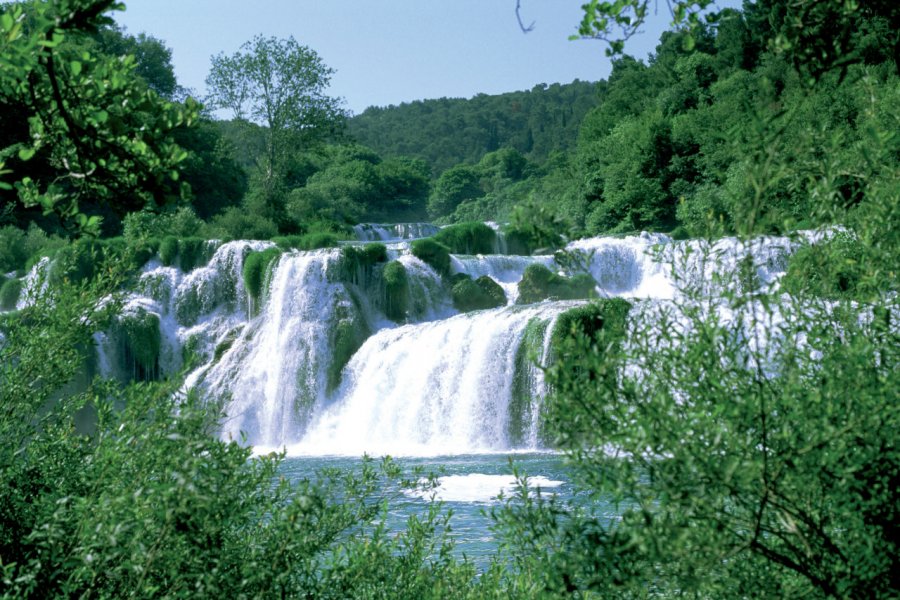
[{"x": 468, "y": 485}]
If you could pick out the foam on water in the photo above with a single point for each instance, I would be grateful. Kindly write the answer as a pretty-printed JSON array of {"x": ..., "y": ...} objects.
[{"x": 479, "y": 487}]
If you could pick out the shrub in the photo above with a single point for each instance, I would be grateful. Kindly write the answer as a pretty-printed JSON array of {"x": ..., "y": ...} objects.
[
  {"x": 828, "y": 269},
  {"x": 468, "y": 238},
  {"x": 479, "y": 294},
  {"x": 186, "y": 253},
  {"x": 539, "y": 283},
  {"x": 432, "y": 253},
  {"x": 396, "y": 291}
]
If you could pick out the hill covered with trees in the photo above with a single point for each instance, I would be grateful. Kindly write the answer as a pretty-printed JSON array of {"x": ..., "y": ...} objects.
[{"x": 449, "y": 131}]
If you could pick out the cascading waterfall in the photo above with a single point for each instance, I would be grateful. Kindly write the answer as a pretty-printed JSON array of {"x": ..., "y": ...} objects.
[
  {"x": 388, "y": 232},
  {"x": 442, "y": 387},
  {"x": 320, "y": 369}
]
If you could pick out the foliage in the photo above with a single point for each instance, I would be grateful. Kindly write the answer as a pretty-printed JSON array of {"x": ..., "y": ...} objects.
[
  {"x": 468, "y": 238},
  {"x": 540, "y": 283},
  {"x": 533, "y": 227},
  {"x": 478, "y": 294},
  {"x": 116, "y": 491},
  {"x": 454, "y": 186},
  {"x": 236, "y": 223},
  {"x": 447, "y": 132},
  {"x": 432, "y": 253},
  {"x": 18, "y": 248},
  {"x": 79, "y": 132},
  {"x": 828, "y": 269},
  {"x": 280, "y": 84}
]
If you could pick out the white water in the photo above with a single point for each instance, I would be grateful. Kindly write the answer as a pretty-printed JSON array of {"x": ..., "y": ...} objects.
[
  {"x": 442, "y": 387},
  {"x": 479, "y": 487},
  {"x": 441, "y": 384}
]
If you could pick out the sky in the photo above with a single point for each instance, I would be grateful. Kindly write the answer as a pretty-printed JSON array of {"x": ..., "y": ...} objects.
[{"x": 386, "y": 52}]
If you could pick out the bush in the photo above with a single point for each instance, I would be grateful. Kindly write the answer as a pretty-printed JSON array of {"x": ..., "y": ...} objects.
[
  {"x": 479, "y": 294},
  {"x": 186, "y": 253},
  {"x": 256, "y": 267},
  {"x": 236, "y": 223},
  {"x": 432, "y": 253},
  {"x": 828, "y": 269},
  {"x": 396, "y": 291},
  {"x": 539, "y": 283},
  {"x": 468, "y": 238}
]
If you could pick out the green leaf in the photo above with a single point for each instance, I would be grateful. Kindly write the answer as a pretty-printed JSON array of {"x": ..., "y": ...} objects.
[
  {"x": 26, "y": 153},
  {"x": 75, "y": 67}
]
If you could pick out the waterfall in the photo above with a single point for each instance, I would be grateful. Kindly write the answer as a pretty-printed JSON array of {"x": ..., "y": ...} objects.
[
  {"x": 320, "y": 368},
  {"x": 381, "y": 232},
  {"x": 443, "y": 387}
]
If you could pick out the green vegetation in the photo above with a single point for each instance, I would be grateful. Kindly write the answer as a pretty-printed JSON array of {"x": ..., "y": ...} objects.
[
  {"x": 540, "y": 283},
  {"x": 432, "y": 253},
  {"x": 10, "y": 290},
  {"x": 450, "y": 131},
  {"x": 358, "y": 262},
  {"x": 829, "y": 269},
  {"x": 139, "y": 336},
  {"x": 256, "y": 269},
  {"x": 528, "y": 357},
  {"x": 476, "y": 294},
  {"x": 468, "y": 238},
  {"x": 396, "y": 291},
  {"x": 749, "y": 451}
]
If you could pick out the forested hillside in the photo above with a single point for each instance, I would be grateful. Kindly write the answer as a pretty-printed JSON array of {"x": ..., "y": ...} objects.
[{"x": 449, "y": 131}]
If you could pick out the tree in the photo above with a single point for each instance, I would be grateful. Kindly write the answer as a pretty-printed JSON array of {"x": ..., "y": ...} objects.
[
  {"x": 79, "y": 132},
  {"x": 281, "y": 85}
]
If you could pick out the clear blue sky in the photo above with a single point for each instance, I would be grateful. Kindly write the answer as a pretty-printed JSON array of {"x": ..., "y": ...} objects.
[{"x": 392, "y": 51}]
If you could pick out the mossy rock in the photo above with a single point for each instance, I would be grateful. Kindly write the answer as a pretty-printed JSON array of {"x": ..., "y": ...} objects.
[
  {"x": 256, "y": 266},
  {"x": 479, "y": 294},
  {"x": 358, "y": 262},
  {"x": 432, "y": 253},
  {"x": 9, "y": 293},
  {"x": 396, "y": 291},
  {"x": 833, "y": 269},
  {"x": 540, "y": 283},
  {"x": 186, "y": 253},
  {"x": 524, "y": 382},
  {"x": 141, "y": 340},
  {"x": 468, "y": 238},
  {"x": 346, "y": 338}
]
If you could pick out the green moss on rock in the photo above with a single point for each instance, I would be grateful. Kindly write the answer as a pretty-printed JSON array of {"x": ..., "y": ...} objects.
[
  {"x": 186, "y": 253},
  {"x": 358, "y": 262},
  {"x": 521, "y": 405},
  {"x": 396, "y": 291},
  {"x": 468, "y": 238},
  {"x": 9, "y": 293},
  {"x": 432, "y": 253},
  {"x": 539, "y": 283},
  {"x": 141, "y": 340},
  {"x": 479, "y": 294},
  {"x": 256, "y": 267},
  {"x": 346, "y": 338}
]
